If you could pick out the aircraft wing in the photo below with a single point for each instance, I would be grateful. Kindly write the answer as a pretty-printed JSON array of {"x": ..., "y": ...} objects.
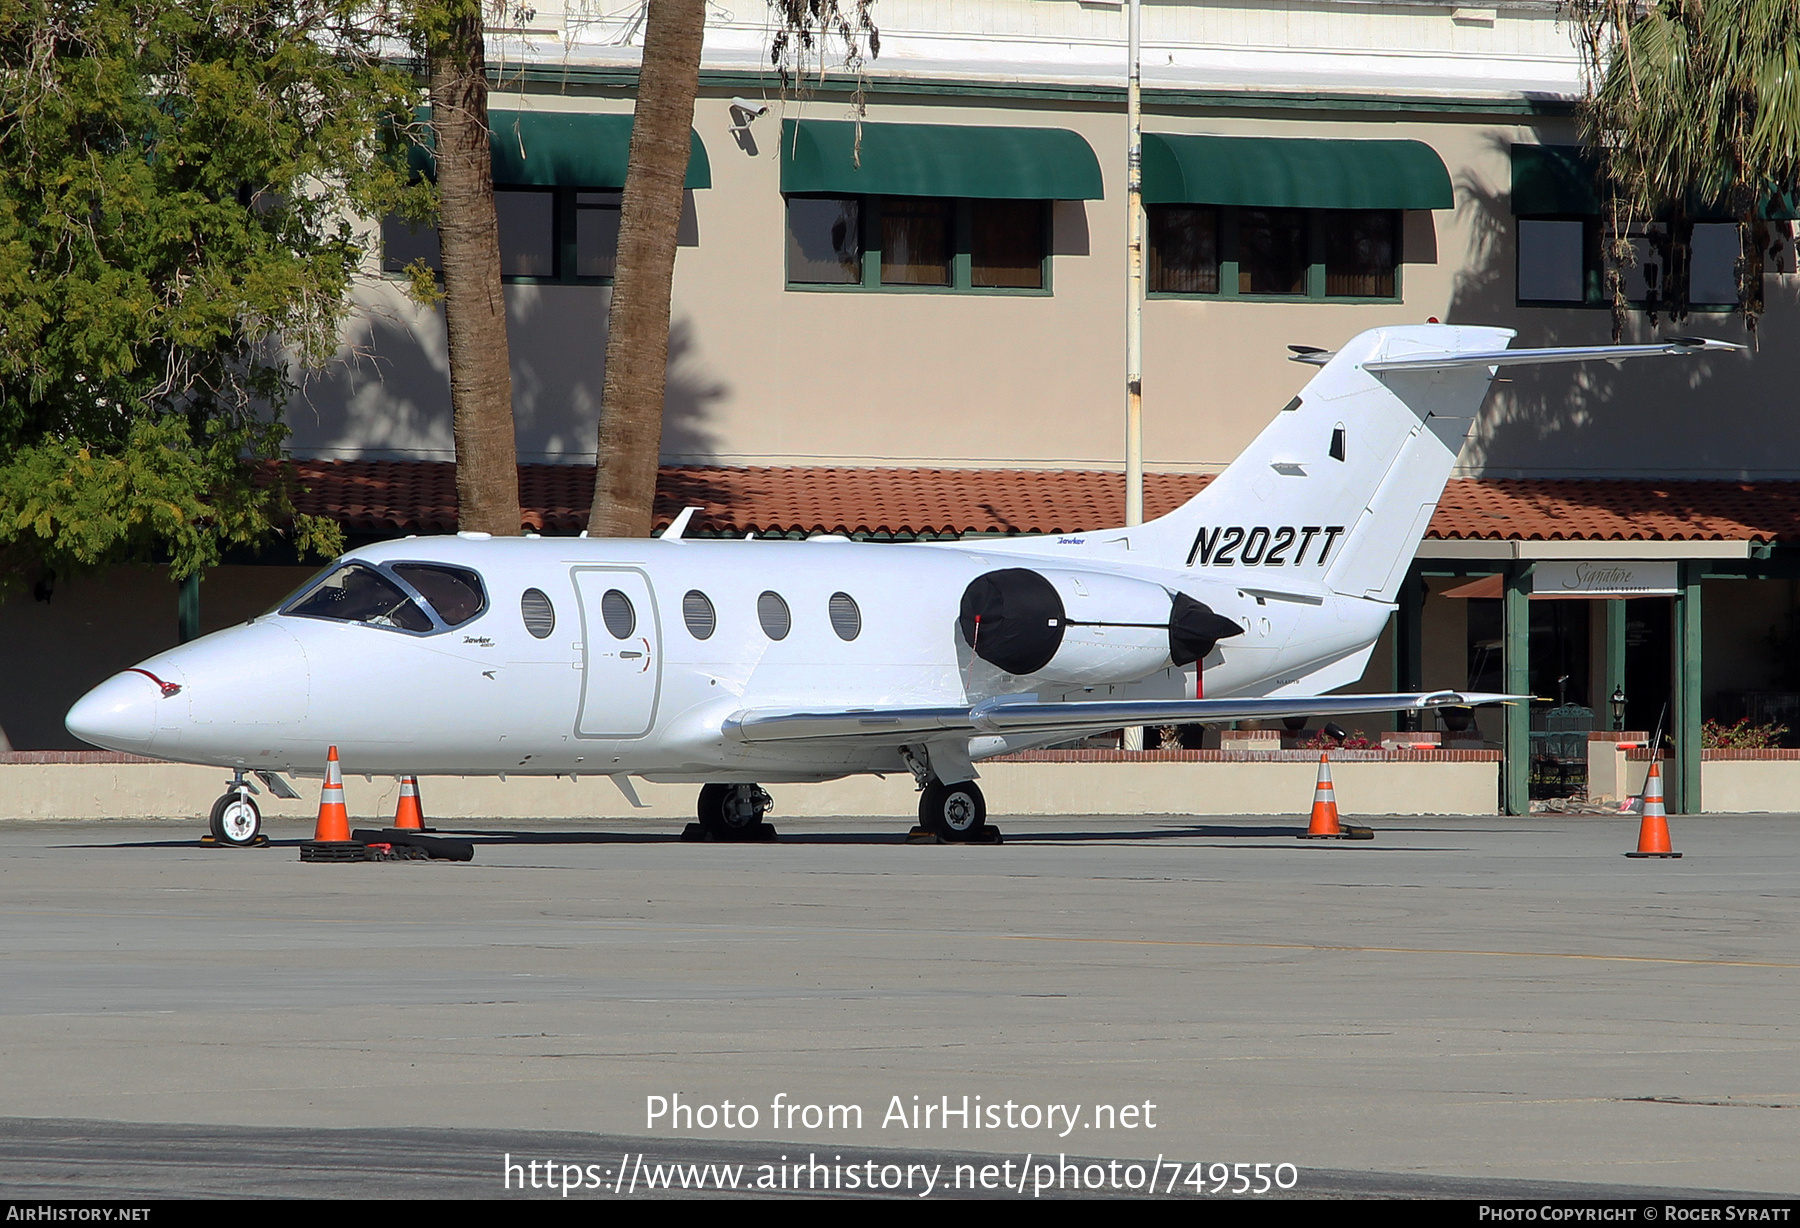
[{"x": 1025, "y": 715}]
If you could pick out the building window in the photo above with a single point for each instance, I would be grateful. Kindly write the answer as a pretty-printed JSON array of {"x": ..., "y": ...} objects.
[
  {"x": 1562, "y": 262},
  {"x": 918, "y": 243},
  {"x": 546, "y": 235},
  {"x": 1351, "y": 254}
]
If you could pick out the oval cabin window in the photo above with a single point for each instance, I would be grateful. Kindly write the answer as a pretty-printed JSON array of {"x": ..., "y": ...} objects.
[
  {"x": 846, "y": 619},
  {"x": 772, "y": 613},
  {"x": 697, "y": 612},
  {"x": 620, "y": 618},
  {"x": 539, "y": 614}
]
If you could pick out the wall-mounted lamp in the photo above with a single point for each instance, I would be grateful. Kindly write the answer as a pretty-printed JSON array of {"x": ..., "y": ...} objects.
[{"x": 1618, "y": 707}]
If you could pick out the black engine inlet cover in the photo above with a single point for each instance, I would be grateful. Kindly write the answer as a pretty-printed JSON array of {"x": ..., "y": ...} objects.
[
  {"x": 1013, "y": 619},
  {"x": 1194, "y": 629}
]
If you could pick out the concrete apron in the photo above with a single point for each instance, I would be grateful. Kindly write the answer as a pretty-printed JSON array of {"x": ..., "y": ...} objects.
[{"x": 63, "y": 791}]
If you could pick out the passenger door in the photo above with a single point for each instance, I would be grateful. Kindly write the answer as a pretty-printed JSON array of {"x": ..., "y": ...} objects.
[{"x": 621, "y": 653}]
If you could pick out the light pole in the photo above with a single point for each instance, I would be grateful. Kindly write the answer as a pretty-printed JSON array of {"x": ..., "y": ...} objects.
[{"x": 1133, "y": 737}]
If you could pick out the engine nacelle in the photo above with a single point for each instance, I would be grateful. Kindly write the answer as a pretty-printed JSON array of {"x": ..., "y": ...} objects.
[{"x": 1084, "y": 628}]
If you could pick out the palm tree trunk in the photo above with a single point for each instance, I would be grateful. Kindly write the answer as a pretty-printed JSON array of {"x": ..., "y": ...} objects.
[
  {"x": 487, "y": 471},
  {"x": 637, "y": 343}
]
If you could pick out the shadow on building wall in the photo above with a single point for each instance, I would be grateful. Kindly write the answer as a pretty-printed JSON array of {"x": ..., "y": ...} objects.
[
  {"x": 388, "y": 397},
  {"x": 1716, "y": 417}
]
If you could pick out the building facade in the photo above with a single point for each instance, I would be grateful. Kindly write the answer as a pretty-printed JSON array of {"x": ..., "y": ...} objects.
[{"x": 936, "y": 285}]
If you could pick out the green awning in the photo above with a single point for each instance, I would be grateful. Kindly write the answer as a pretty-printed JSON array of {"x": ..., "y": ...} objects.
[
  {"x": 1293, "y": 173},
  {"x": 937, "y": 160},
  {"x": 564, "y": 149},
  {"x": 1550, "y": 179}
]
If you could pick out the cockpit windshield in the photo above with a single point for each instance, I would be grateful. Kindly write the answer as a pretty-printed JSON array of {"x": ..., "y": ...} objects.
[
  {"x": 357, "y": 593},
  {"x": 454, "y": 592}
]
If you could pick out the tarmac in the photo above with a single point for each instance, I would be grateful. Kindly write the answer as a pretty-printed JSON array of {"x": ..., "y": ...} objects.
[{"x": 1477, "y": 1007}]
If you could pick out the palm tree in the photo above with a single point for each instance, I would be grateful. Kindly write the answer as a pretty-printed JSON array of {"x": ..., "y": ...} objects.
[
  {"x": 637, "y": 343},
  {"x": 487, "y": 473},
  {"x": 1693, "y": 104}
]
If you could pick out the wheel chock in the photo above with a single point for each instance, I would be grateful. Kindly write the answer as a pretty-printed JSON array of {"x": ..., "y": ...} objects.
[
  {"x": 924, "y": 835},
  {"x": 210, "y": 841}
]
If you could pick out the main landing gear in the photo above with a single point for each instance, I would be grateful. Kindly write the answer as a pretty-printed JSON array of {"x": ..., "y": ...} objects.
[
  {"x": 955, "y": 813},
  {"x": 734, "y": 812},
  {"x": 235, "y": 819}
]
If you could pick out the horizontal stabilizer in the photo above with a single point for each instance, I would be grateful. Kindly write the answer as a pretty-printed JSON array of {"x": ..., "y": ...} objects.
[
  {"x": 1025, "y": 715},
  {"x": 1574, "y": 353}
]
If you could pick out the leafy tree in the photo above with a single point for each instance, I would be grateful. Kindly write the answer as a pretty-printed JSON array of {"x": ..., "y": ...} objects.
[
  {"x": 1692, "y": 104},
  {"x": 637, "y": 343},
  {"x": 177, "y": 179}
]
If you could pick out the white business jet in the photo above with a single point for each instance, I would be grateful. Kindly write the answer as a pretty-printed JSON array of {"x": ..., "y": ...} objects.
[{"x": 730, "y": 664}]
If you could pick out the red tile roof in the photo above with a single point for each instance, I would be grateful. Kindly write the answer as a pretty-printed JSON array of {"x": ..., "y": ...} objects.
[{"x": 420, "y": 497}]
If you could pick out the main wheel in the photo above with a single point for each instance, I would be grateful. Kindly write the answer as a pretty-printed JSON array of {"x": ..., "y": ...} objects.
[
  {"x": 956, "y": 812},
  {"x": 236, "y": 820},
  {"x": 732, "y": 812}
]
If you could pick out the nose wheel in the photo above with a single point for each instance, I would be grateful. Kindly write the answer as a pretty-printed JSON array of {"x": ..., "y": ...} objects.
[
  {"x": 957, "y": 813},
  {"x": 235, "y": 820},
  {"x": 733, "y": 812}
]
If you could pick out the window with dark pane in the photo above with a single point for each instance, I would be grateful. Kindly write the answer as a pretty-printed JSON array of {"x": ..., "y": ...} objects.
[
  {"x": 1272, "y": 257},
  {"x": 538, "y": 613},
  {"x": 846, "y": 619},
  {"x": 916, "y": 241},
  {"x": 596, "y": 233},
  {"x": 1184, "y": 249},
  {"x": 454, "y": 592},
  {"x": 527, "y": 221},
  {"x": 697, "y": 611},
  {"x": 403, "y": 242},
  {"x": 616, "y": 611},
  {"x": 824, "y": 241},
  {"x": 1361, "y": 250},
  {"x": 772, "y": 613},
  {"x": 1007, "y": 244}
]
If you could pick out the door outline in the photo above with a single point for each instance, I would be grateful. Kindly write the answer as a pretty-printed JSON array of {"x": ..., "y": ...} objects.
[{"x": 652, "y": 646}]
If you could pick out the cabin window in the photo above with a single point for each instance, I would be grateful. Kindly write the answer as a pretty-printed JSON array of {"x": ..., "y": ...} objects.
[
  {"x": 616, "y": 612},
  {"x": 538, "y": 613},
  {"x": 846, "y": 619},
  {"x": 454, "y": 592},
  {"x": 772, "y": 613},
  {"x": 697, "y": 612},
  {"x": 357, "y": 593}
]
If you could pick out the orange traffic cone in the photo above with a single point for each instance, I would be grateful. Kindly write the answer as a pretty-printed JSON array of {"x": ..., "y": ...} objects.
[
  {"x": 1324, "y": 825},
  {"x": 410, "y": 816},
  {"x": 334, "y": 820},
  {"x": 1653, "y": 832}
]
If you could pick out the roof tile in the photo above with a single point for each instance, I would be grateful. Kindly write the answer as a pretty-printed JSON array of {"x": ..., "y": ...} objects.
[{"x": 420, "y": 497}]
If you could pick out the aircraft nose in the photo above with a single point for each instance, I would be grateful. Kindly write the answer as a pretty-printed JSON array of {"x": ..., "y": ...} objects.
[{"x": 119, "y": 714}]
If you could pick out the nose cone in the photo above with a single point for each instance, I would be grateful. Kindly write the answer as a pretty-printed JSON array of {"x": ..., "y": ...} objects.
[{"x": 119, "y": 714}]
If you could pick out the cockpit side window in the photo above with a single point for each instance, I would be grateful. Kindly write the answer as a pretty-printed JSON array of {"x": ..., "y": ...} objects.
[
  {"x": 357, "y": 593},
  {"x": 454, "y": 592}
]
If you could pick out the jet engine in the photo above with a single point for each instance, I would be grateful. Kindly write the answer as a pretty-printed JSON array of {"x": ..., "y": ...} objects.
[{"x": 1084, "y": 628}]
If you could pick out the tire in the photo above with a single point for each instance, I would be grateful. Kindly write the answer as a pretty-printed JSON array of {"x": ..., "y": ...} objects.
[
  {"x": 236, "y": 820},
  {"x": 732, "y": 812},
  {"x": 957, "y": 813}
]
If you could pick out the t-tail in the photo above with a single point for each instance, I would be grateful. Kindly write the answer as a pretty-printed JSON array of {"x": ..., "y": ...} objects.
[{"x": 1338, "y": 490}]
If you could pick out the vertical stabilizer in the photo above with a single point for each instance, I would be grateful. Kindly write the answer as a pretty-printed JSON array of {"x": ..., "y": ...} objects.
[{"x": 1338, "y": 490}]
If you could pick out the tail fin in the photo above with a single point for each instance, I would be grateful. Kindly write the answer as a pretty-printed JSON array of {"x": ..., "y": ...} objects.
[{"x": 1340, "y": 487}]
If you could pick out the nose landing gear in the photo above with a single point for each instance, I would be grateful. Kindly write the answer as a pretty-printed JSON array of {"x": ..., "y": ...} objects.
[{"x": 235, "y": 819}]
